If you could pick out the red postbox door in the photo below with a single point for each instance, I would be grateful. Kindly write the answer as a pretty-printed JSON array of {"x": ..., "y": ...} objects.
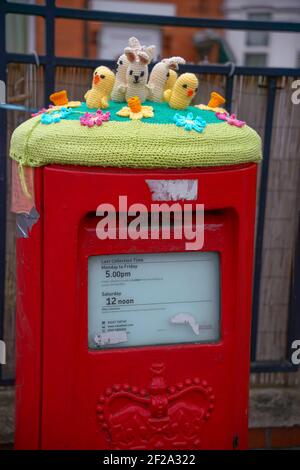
[{"x": 160, "y": 396}]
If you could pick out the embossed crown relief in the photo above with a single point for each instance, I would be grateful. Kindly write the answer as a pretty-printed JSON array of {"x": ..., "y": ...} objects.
[{"x": 158, "y": 417}]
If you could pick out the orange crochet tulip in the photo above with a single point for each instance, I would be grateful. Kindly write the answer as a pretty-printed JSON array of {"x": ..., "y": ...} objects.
[
  {"x": 216, "y": 100},
  {"x": 134, "y": 104},
  {"x": 60, "y": 98}
]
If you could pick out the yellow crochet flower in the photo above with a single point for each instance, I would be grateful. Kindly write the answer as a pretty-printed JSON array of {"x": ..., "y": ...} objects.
[
  {"x": 209, "y": 108},
  {"x": 214, "y": 103},
  {"x": 135, "y": 110},
  {"x": 73, "y": 104},
  {"x": 70, "y": 104}
]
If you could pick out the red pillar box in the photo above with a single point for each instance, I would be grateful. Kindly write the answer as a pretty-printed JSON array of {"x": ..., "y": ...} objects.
[{"x": 135, "y": 342}]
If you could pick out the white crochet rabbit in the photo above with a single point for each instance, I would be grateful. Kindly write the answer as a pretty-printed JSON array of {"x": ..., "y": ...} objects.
[
  {"x": 122, "y": 65},
  {"x": 159, "y": 76},
  {"x": 137, "y": 72}
]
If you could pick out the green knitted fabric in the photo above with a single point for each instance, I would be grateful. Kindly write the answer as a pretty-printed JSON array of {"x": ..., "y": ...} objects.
[
  {"x": 135, "y": 144},
  {"x": 163, "y": 114}
]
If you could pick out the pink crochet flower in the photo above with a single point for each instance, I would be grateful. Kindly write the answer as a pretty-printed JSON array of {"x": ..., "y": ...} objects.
[
  {"x": 94, "y": 119},
  {"x": 42, "y": 111},
  {"x": 230, "y": 119}
]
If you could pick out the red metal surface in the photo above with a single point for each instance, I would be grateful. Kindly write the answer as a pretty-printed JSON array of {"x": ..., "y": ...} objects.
[
  {"x": 174, "y": 396},
  {"x": 29, "y": 309}
]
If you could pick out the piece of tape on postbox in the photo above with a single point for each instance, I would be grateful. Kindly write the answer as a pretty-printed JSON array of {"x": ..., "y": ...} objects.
[
  {"x": 173, "y": 190},
  {"x": 22, "y": 204},
  {"x": 25, "y": 222}
]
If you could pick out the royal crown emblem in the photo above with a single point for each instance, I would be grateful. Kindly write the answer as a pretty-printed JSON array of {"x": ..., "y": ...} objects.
[{"x": 159, "y": 417}]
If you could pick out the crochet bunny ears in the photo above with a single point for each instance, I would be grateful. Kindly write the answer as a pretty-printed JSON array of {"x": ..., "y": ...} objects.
[
  {"x": 135, "y": 51},
  {"x": 173, "y": 62}
]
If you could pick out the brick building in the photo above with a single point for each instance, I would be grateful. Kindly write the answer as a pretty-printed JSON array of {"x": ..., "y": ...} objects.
[{"x": 75, "y": 38}]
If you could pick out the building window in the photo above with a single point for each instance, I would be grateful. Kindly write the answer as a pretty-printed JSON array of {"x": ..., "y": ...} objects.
[
  {"x": 258, "y": 38},
  {"x": 255, "y": 59},
  {"x": 113, "y": 37}
]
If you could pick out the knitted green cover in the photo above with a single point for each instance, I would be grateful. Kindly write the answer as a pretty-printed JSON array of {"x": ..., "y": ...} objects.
[{"x": 149, "y": 143}]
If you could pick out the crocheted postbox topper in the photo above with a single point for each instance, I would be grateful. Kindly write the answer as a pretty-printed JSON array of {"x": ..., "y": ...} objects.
[{"x": 136, "y": 118}]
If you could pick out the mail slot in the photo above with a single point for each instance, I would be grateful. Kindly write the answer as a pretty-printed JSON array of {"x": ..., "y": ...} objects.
[{"x": 134, "y": 344}]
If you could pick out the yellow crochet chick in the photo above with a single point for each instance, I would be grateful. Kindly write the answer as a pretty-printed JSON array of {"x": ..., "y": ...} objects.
[
  {"x": 103, "y": 82},
  {"x": 184, "y": 90},
  {"x": 171, "y": 80}
]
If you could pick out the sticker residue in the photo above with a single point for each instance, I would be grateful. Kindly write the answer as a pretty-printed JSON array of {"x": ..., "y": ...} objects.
[
  {"x": 111, "y": 337},
  {"x": 173, "y": 190},
  {"x": 186, "y": 319}
]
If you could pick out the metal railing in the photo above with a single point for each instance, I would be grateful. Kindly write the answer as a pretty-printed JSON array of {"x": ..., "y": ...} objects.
[{"x": 49, "y": 61}]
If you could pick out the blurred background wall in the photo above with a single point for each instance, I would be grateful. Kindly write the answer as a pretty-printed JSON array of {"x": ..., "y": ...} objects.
[{"x": 105, "y": 41}]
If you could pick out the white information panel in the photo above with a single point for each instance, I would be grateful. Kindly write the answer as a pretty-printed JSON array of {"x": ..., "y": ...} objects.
[{"x": 149, "y": 299}]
